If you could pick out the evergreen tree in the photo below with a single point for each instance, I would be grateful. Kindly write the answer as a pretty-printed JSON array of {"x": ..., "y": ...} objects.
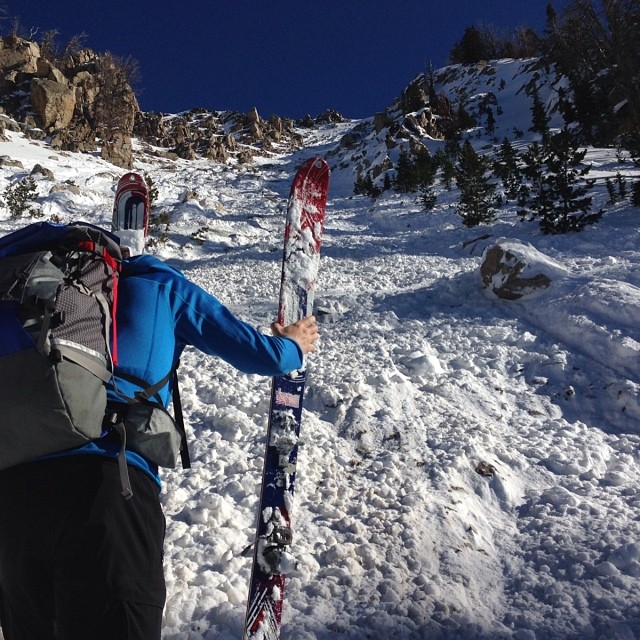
[
  {"x": 432, "y": 93},
  {"x": 567, "y": 186},
  {"x": 426, "y": 167},
  {"x": 540, "y": 119},
  {"x": 446, "y": 158},
  {"x": 555, "y": 188},
  {"x": 364, "y": 187},
  {"x": 405, "y": 180},
  {"x": 413, "y": 173},
  {"x": 617, "y": 189},
  {"x": 533, "y": 198},
  {"x": 477, "y": 199},
  {"x": 622, "y": 185},
  {"x": 152, "y": 190},
  {"x": 594, "y": 46},
  {"x": 427, "y": 197},
  {"x": 464, "y": 119},
  {"x": 473, "y": 47},
  {"x": 631, "y": 142},
  {"x": 507, "y": 169}
]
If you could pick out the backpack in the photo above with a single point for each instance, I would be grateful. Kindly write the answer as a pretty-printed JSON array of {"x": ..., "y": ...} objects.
[
  {"x": 58, "y": 352},
  {"x": 58, "y": 298}
]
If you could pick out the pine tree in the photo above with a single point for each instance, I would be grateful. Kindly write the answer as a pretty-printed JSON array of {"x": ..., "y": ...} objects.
[
  {"x": 555, "y": 188},
  {"x": 427, "y": 197},
  {"x": 506, "y": 168},
  {"x": 567, "y": 186},
  {"x": 432, "y": 93},
  {"x": 446, "y": 158},
  {"x": 540, "y": 119},
  {"x": 533, "y": 198},
  {"x": 426, "y": 167},
  {"x": 405, "y": 180},
  {"x": 364, "y": 187},
  {"x": 476, "y": 202},
  {"x": 473, "y": 47},
  {"x": 413, "y": 173},
  {"x": 464, "y": 119},
  {"x": 448, "y": 173}
]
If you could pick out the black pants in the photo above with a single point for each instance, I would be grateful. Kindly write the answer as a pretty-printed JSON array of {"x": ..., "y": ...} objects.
[{"x": 77, "y": 561}]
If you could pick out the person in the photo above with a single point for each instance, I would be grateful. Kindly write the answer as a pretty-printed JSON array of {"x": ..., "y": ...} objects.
[{"x": 77, "y": 560}]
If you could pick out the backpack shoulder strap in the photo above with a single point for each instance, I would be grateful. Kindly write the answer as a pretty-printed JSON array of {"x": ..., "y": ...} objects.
[{"x": 177, "y": 409}]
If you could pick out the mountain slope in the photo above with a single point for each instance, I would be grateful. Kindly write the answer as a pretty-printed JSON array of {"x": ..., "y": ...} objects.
[{"x": 469, "y": 465}]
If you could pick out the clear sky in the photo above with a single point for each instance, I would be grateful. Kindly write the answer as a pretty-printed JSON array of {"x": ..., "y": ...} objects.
[{"x": 283, "y": 57}]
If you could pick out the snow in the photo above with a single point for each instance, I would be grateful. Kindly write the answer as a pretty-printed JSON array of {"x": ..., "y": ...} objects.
[{"x": 468, "y": 466}]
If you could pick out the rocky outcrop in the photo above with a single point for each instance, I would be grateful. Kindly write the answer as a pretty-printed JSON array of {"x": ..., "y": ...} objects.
[
  {"x": 217, "y": 135},
  {"x": 73, "y": 100},
  {"x": 83, "y": 102}
]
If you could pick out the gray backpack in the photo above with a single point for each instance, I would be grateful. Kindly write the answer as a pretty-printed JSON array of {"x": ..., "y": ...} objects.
[{"x": 58, "y": 291}]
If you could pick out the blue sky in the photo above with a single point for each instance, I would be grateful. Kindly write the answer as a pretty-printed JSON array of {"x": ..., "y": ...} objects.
[{"x": 284, "y": 57}]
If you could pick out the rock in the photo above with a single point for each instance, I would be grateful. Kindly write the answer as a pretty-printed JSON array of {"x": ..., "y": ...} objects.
[
  {"x": 38, "y": 169},
  {"x": 118, "y": 151},
  {"x": 18, "y": 54},
  {"x": 512, "y": 270},
  {"x": 329, "y": 116},
  {"x": 216, "y": 151},
  {"x": 382, "y": 121},
  {"x": 53, "y": 102},
  {"x": 9, "y": 124},
  {"x": 254, "y": 117},
  {"x": 8, "y": 161},
  {"x": 66, "y": 186},
  {"x": 189, "y": 196},
  {"x": 350, "y": 140}
]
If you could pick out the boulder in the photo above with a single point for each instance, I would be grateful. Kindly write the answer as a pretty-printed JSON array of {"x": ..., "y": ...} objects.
[
  {"x": 254, "y": 117},
  {"x": 39, "y": 170},
  {"x": 382, "y": 121},
  {"x": 53, "y": 103},
  {"x": 512, "y": 270},
  {"x": 118, "y": 151},
  {"x": 18, "y": 54}
]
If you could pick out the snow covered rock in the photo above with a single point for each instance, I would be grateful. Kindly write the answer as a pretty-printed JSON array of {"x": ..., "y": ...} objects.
[{"x": 513, "y": 270}]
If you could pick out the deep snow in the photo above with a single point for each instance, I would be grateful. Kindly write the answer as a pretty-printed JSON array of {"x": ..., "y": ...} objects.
[{"x": 468, "y": 466}]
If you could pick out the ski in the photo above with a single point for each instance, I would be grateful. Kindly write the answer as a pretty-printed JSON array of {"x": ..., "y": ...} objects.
[
  {"x": 300, "y": 261},
  {"x": 130, "y": 218}
]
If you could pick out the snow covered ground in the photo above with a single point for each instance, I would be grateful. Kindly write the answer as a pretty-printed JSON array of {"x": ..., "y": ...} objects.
[{"x": 469, "y": 466}]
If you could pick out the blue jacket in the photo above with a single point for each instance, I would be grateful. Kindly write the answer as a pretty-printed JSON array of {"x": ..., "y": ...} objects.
[{"x": 159, "y": 313}]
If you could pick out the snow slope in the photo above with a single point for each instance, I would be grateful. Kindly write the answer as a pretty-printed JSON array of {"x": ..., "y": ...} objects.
[{"x": 469, "y": 466}]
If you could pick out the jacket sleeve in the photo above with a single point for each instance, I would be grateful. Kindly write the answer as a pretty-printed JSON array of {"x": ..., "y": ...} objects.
[{"x": 204, "y": 322}]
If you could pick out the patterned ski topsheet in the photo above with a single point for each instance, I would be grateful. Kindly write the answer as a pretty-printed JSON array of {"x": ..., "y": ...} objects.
[
  {"x": 303, "y": 237},
  {"x": 131, "y": 205},
  {"x": 301, "y": 256}
]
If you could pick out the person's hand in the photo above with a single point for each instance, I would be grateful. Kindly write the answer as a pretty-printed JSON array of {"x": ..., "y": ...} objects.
[{"x": 304, "y": 332}]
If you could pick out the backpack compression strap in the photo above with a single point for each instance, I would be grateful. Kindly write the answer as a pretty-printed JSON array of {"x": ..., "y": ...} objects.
[{"x": 150, "y": 395}]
